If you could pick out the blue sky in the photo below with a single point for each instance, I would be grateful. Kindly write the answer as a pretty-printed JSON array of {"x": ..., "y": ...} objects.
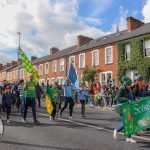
[{"x": 57, "y": 23}]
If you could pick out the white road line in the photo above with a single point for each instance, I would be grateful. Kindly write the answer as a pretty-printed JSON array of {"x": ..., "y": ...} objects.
[{"x": 99, "y": 128}]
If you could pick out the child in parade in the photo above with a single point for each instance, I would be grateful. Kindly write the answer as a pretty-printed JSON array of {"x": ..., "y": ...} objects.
[
  {"x": 82, "y": 95},
  {"x": 96, "y": 99},
  {"x": 7, "y": 100},
  {"x": 124, "y": 94},
  {"x": 55, "y": 100}
]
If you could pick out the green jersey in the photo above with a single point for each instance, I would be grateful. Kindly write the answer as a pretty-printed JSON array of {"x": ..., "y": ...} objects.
[
  {"x": 55, "y": 95},
  {"x": 30, "y": 91}
]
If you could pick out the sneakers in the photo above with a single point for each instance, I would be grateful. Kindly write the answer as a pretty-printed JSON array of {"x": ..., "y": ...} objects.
[
  {"x": 24, "y": 120},
  {"x": 50, "y": 118},
  {"x": 8, "y": 121},
  {"x": 71, "y": 117},
  {"x": 36, "y": 122},
  {"x": 130, "y": 140},
  {"x": 82, "y": 117},
  {"x": 115, "y": 134}
]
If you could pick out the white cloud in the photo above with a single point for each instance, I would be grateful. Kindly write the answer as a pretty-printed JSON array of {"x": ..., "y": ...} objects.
[
  {"x": 145, "y": 11},
  {"x": 44, "y": 24},
  {"x": 120, "y": 20}
]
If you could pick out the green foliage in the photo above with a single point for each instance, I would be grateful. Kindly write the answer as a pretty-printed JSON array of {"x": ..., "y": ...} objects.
[
  {"x": 88, "y": 74},
  {"x": 137, "y": 59}
]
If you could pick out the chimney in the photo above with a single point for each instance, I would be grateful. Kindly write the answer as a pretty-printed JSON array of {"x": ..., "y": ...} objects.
[
  {"x": 13, "y": 63},
  {"x": 53, "y": 50},
  {"x": 33, "y": 58},
  {"x": 133, "y": 23},
  {"x": 81, "y": 40},
  {"x": 8, "y": 65},
  {"x": 1, "y": 67}
]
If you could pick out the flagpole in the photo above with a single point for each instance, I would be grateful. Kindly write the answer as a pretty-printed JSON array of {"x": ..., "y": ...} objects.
[{"x": 18, "y": 54}]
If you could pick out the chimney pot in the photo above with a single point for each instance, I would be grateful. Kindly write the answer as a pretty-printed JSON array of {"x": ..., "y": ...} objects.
[
  {"x": 53, "y": 50},
  {"x": 33, "y": 58}
]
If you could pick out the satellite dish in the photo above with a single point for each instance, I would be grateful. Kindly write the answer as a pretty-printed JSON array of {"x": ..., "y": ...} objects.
[{"x": 1, "y": 128}]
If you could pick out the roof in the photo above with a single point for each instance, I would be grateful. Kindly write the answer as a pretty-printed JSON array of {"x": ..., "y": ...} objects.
[
  {"x": 111, "y": 38},
  {"x": 9, "y": 68}
]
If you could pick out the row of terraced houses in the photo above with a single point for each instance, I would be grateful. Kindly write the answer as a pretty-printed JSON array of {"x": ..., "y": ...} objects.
[{"x": 102, "y": 53}]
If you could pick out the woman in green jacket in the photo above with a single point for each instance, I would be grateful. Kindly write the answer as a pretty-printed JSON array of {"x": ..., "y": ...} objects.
[{"x": 124, "y": 94}]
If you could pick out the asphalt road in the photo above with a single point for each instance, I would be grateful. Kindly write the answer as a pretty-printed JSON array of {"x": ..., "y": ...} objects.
[{"x": 93, "y": 133}]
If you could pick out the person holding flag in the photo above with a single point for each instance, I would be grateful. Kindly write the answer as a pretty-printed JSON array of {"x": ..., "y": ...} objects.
[{"x": 30, "y": 96}]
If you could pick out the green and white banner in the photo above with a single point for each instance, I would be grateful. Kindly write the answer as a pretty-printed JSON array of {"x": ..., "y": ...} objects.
[{"x": 136, "y": 116}]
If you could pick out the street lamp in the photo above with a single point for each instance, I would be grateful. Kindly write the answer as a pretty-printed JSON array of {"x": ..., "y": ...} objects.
[{"x": 18, "y": 53}]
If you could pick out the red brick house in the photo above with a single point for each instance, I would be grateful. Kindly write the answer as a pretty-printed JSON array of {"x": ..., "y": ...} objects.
[{"x": 101, "y": 52}]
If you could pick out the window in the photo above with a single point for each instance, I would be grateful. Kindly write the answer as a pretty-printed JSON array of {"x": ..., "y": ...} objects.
[
  {"x": 54, "y": 66},
  {"x": 21, "y": 73},
  {"x": 61, "y": 64},
  {"x": 46, "y": 68},
  {"x": 131, "y": 74},
  {"x": 104, "y": 76},
  {"x": 127, "y": 52},
  {"x": 108, "y": 55},
  {"x": 16, "y": 74},
  {"x": 82, "y": 60},
  {"x": 40, "y": 69},
  {"x": 52, "y": 80},
  {"x": 41, "y": 81},
  {"x": 60, "y": 80},
  {"x": 95, "y": 58},
  {"x": 72, "y": 60},
  {"x": 147, "y": 48}
]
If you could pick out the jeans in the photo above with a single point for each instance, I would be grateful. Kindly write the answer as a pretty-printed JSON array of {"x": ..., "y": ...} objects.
[
  {"x": 121, "y": 127},
  {"x": 22, "y": 105},
  {"x": 82, "y": 107},
  {"x": 39, "y": 101},
  {"x": 32, "y": 102},
  {"x": 71, "y": 104}
]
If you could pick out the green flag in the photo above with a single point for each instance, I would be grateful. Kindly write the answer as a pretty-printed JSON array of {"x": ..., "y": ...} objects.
[
  {"x": 27, "y": 66},
  {"x": 136, "y": 116}
]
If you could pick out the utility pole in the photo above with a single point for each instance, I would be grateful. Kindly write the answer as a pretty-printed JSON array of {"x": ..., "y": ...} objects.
[{"x": 18, "y": 54}]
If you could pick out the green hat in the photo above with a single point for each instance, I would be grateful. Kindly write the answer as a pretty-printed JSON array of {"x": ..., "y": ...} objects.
[{"x": 126, "y": 80}]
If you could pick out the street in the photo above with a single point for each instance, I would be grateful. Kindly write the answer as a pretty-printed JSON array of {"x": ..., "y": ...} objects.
[{"x": 93, "y": 133}]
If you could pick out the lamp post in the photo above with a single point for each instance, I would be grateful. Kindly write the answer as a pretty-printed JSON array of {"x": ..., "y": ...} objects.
[{"x": 18, "y": 54}]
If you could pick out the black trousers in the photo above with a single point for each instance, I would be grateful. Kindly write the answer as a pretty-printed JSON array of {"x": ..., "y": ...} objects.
[
  {"x": 82, "y": 107},
  {"x": 54, "y": 109},
  {"x": 8, "y": 110},
  {"x": 71, "y": 104},
  {"x": 32, "y": 102},
  {"x": 39, "y": 101}
]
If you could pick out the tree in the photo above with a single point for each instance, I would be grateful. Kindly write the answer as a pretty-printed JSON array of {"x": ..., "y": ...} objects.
[{"x": 88, "y": 74}]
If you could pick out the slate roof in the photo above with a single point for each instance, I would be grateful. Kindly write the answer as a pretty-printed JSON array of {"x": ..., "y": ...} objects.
[{"x": 111, "y": 38}]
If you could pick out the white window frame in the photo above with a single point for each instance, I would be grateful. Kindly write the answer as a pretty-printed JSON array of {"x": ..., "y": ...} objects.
[
  {"x": 54, "y": 67},
  {"x": 41, "y": 80},
  {"x": 70, "y": 60},
  {"x": 106, "y": 75},
  {"x": 109, "y": 47},
  {"x": 131, "y": 72},
  {"x": 61, "y": 70},
  {"x": 145, "y": 48},
  {"x": 21, "y": 70},
  {"x": 126, "y": 51},
  {"x": 40, "y": 71},
  {"x": 46, "y": 69},
  {"x": 80, "y": 60},
  {"x": 52, "y": 80},
  {"x": 17, "y": 74},
  {"x": 97, "y": 55}
]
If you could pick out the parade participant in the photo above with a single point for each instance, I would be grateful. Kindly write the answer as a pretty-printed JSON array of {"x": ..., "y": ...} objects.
[
  {"x": 7, "y": 100},
  {"x": 55, "y": 100},
  {"x": 68, "y": 97},
  {"x": 22, "y": 96},
  {"x": 124, "y": 94},
  {"x": 30, "y": 95},
  {"x": 82, "y": 95},
  {"x": 38, "y": 94}
]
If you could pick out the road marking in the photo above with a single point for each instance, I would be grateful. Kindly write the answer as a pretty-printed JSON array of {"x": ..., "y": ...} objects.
[{"x": 95, "y": 127}]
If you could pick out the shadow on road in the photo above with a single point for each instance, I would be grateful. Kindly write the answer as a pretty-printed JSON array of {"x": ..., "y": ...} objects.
[{"x": 36, "y": 146}]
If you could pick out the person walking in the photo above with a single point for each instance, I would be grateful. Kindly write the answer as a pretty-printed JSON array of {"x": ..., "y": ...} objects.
[
  {"x": 30, "y": 96},
  {"x": 7, "y": 100},
  {"x": 22, "y": 96},
  {"x": 38, "y": 94},
  {"x": 68, "y": 97},
  {"x": 124, "y": 94},
  {"x": 82, "y": 95}
]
